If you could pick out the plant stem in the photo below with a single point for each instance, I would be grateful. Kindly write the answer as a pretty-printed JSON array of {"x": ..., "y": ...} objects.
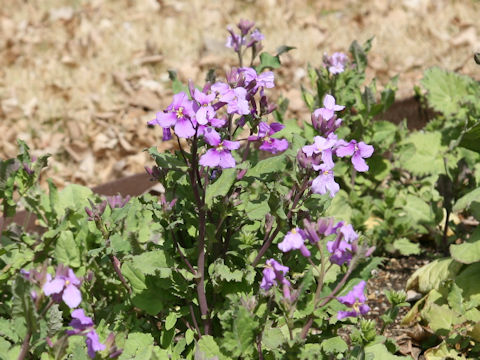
[
  {"x": 202, "y": 298},
  {"x": 25, "y": 345},
  {"x": 327, "y": 299}
]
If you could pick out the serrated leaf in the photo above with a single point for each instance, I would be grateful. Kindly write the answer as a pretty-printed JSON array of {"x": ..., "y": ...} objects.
[
  {"x": 471, "y": 139},
  {"x": 74, "y": 197},
  {"x": 207, "y": 349},
  {"x": 465, "y": 201},
  {"x": 430, "y": 276},
  {"x": 406, "y": 247},
  {"x": 268, "y": 61},
  {"x": 468, "y": 252},
  {"x": 67, "y": 251},
  {"x": 380, "y": 352},
  {"x": 446, "y": 90},
  {"x": 384, "y": 132},
  {"x": 221, "y": 186},
  {"x": 267, "y": 166},
  {"x": 153, "y": 262},
  {"x": 272, "y": 338},
  {"x": 242, "y": 335},
  {"x": 424, "y": 156},
  {"x": 334, "y": 345},
  {"x": 137, "y": 346},
  {"x": 418, "y": 210}
]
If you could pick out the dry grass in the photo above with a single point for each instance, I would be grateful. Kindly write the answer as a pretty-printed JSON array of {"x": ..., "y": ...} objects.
[{"x": 79, "y": 79}]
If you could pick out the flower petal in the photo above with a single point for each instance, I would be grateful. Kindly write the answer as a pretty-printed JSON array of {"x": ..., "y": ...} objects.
[
  {"x": 53, "y": 287},
  {"x": 72, "y": 296},
  {"x": 211, "y": 158}
]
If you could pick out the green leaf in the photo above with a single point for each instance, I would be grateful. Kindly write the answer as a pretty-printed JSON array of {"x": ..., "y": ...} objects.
[
  {"x": 137, "y": 346},
  {"x": 272, "y": 338},
  {"x": 73, "y": 197},
  {"x": 153, "y": 262},
  {"x": 267, "y": 166},
  {"x": 284, "y": 49},
  {"x": 422, "y": 153},
  {"x": 340, "y": 208},
  {"x": 189, "y": 336},
  {"x": 418, "y": 210},
  {"x": 468, "y": 252},
  {"x": 268, "y": 61},
  {"x": 67, "y": 251},
  {"x": 430, "y": 276},
  {"x": 442, "y": 352},
  {"x": 177, "y": 85},
  {"x": 207, "y": 349},
  {"x": 134, "y": 276},
  {"x": 384, "y": 132},
  {"x": 170, "y": 321},
  {"x": 221, "y": 186},
  {"x": 465, "y": 201},
  {"x": 439, "y": 317},
  {"x": 446, "y": 90},
  {"x": 471, "y": 139},
  {"x": 406, "y": 247},
  {"x": 334, "y": 345},
  {"x": 256, "y": 210},
  {"x": 467, "y": 280},
  {"x": 242, "y": 335},
  {"x": 380, "y": 352}
]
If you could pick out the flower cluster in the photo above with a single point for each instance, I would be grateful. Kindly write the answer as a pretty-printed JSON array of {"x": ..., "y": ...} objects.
[
  {"x": 319, "y": 155},
  {"x": 208, "y": 114},
  {"x": 249, "y": 36},
  {"x": 335, "y": 63}
]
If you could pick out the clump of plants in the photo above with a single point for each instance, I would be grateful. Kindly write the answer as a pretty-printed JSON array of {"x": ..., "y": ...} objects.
[{"x": 259, "y": 248}]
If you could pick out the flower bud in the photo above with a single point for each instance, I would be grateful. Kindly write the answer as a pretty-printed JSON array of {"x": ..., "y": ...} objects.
[{"x": 245, "y": 26}]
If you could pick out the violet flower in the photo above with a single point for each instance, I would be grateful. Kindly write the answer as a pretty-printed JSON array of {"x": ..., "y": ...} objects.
[
  {"x": 322, "y": 146},
  {"x": 117, "y": 201},
  {"x": 355, "y": 299},
  {"x": 325, "y": 182},
  {"x": 359, "y": 150},
  {"x": 329, "y": 108},
  {"x": 64, "y": 286},
  {"x": 294, "y": 240},
  {"x": 93, "y": 343},
  {"x": 203, "y": 110},
  {"x": 83, "y": 325},
  {"x": 179, "y": 114},
  {"x": 270, "y": 144},
  {"x": 335, "y": 63},
  {"x": 220, "y": 155},
  {"x": 274, "y": 274},
  {"x": 344, "y": 246}
]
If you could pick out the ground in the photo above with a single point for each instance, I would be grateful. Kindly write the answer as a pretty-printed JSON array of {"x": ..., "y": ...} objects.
[{"x": 80, "y": 79}]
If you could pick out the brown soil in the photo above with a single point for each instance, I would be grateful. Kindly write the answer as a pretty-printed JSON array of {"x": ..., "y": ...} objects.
[{"x": 80, "y": 79}]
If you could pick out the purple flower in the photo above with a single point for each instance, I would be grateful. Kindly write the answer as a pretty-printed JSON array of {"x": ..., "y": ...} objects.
[
  {"x": 83, "y": 325},
  {"x": 80, "y": 322},
  {"x": 323, "y": 227},
  {"x": 325, "y": 182},
  {"x": 257, "y": 36},
  {"x": 270, "y": 144},
  {"x": 341, "y": 251},
  {"x": 64, "y": 286},
  {"x": 93, "y": 343},
  {"x": 204, "y": 109},
  {"x": 264, "y": 80},
  {"x": 322, "y": 146},
  {"x": 179, "y": 114},
  {"x": 117, "y": 201},
  {"x": 294, "y": 240},
  {"x": 329, "y": 108},
  {"x": 355, "y": 299},
  {"x": 335, "y": 63},
  {"x": 344, "y": 246},
  {"x": 234, "y": 41},
  {"x": 274, "y": 274},
  {"x": 245, "y": 26},
  {"x": 220, "y": 155},
  {"x": 359, "y": 151}
]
